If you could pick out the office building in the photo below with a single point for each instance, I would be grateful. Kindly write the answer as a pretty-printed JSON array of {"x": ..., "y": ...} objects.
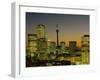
[
  {"x": 32, "y": 44},
  {"x": 42, "y": 45},
  {"x": 53, "y": 46},
  {"x": 85, "y": 49},
  {"x": 41, "y": 31}
]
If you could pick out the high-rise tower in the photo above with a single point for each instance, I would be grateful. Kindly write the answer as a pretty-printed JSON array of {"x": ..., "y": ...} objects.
[
  {"x": 57, "y": 31},
  {"x": 41, "y": 31},
  {"x": 32, "y": 44},
  {"x": 41, "y": 41},
  {"x": 85, "y": 49}
]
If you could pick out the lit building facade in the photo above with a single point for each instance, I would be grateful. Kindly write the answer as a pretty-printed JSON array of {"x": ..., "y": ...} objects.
[
  {"x": 41, "y": 35},
  {"x": 75, "y": 59},
  {"x": 48, "y": 46},
  {"x": 53, "y": 46},
  {"x": 32, "y": 44},
  {"x": 41, "y": 41},
  {"x": 42, "y": 45},
  {"x": 41, "y": 31},
  {"x": 42, "y": 49},
  {"x": 85, "y": 49}
]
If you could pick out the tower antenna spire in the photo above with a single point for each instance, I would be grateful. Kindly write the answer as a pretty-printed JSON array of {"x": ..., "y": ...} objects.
[{"x": 57, "y": 26}]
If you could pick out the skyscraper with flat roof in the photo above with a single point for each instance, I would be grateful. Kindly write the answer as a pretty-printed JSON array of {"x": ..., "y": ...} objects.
[
  {"x": 32, "y": 44},
  {"x": 85, "y": 44},
  {"x": 41, "y": 41}
]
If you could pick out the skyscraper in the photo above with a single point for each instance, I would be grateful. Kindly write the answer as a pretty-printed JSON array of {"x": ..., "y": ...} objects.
[
  {"x": 41, "y": 35},
  {"x": 42, "y": 45},
  {"x": 32, "y": 44},
  {"x": 53, "y": 46},
  {"x": 41, "y": 31},
  {"x": 85, "y": 44}
]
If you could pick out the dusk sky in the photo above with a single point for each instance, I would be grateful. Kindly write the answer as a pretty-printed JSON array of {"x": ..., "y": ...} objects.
[{"x": 71, "y": 27}]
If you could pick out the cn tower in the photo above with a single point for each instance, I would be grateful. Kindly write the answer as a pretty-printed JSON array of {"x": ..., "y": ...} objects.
[{"x": 57, "y": 31}]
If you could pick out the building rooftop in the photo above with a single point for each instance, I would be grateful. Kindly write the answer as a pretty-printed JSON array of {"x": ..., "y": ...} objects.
[{"x": 39, "y": 25}]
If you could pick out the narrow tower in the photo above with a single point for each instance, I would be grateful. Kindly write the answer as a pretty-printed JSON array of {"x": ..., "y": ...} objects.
[{"x": 57, "y": 31}]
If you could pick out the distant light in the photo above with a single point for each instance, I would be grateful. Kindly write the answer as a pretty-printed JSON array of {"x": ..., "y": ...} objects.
[{"x": 49, "y": 40}]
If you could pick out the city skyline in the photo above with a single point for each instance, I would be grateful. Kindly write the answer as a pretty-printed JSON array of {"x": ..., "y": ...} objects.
[{"x": 71, "y": 27}]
